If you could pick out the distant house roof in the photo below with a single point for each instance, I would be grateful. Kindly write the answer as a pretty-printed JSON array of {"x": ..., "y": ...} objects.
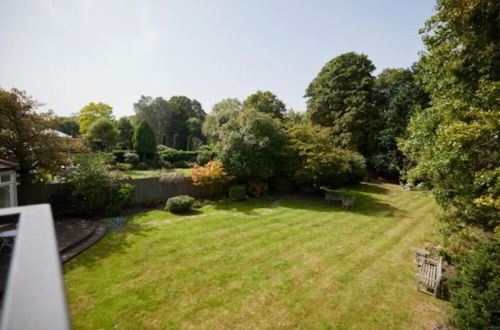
[
  {"x": 7, "y": 164},
  {"x": 56, "y": 133}
]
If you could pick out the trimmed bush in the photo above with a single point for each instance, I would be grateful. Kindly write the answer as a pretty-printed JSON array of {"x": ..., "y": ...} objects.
[
  {"x": 142, "y": 166},
  {"x": 174, "y": 155},
  {"x": 237, "y": 192},
  {"x": 122, "y": 167},
  {"x": 180, "y": 204},
  {"x": 204, "y": 157},
  {"x": 161, "y": 148},
  {"x": 182, "y": 164},
  {"x": 131, "y": 158}
]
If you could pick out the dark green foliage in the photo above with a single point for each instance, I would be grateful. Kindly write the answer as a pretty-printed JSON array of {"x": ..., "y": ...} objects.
[
  {"x": 144, "y": 139},
  {"x": 125, "y": 133},
  {"x": 119, "y": 196},
  {"x": 281, "y": 184},
  {"x": 184, "y": 109},
  {"x": 251, "y": 145},
  {"x": 341, "y": 97},
  {"x": 475, "y": 289},
  {"x": 102, "y": 131},
  {"x": 131, "y": 158},
  {"x": 91, "y": 187},
  {"x": 221, "y": 113},
  {"x": 237, "y": 192},
  {"x": 68, "y": 125},
  {"x": 398, "y": 97},
  {"x": 204, "y": 157},
  {"x": 312, "y": 159},
  {"x": 454, "y": 143},
  {"x": 182, "y": 164},
  {"x": 174, "y": 155},
  {"x": 265, "y": 102},
  {"x": 180, "y": 204},
  {"x": 158, "y": 114},
  {"x": 142, "y": 166}
]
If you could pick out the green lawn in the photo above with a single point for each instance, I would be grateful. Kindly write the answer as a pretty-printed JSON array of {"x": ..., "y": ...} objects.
[
  {"x": 262, "y": 264},
  {"x": 137, "y": 174}
]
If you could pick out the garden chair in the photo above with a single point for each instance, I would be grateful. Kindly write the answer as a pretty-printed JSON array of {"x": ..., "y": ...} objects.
[{"x": 429, "y": 276}]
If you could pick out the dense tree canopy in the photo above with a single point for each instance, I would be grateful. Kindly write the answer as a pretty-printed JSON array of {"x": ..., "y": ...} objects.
[
  {"x": 103, "y": 131},
  {"x": 183, "y": 109},
  {"x": 25, "y": 137},
  {"x": 125, "y": 132},
  {"x": 251, "y": 145},
  {"x": 454, "y": 143},
  {"x": 341, "y": 97},
  {"x": 144, "y": 139},
  {"x": 92, "y": 112},
  {"x": 68, "y": 125},
  {"x": 398, "y": 96},
  {"x": 158, "y": 114},
  {"x": 265, "y": 102},
  {"x": 313, "y": 160},
  {"x": 221, "y": 113}
]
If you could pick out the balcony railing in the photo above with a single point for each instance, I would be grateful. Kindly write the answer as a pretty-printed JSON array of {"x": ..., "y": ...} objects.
[{"x": 34, "y": 297}]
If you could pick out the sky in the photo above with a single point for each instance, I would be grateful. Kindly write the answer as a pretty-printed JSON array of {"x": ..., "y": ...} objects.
[{"x": 67, "y": 53}]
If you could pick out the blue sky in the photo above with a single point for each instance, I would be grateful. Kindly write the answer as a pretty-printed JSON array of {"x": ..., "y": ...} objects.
[{"x": 67, "y": 53}]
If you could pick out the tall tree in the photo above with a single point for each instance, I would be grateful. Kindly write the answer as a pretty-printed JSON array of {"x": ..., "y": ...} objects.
[
  {"x": 68, "y": 125},
  {"x": 455, "y": 143},
  {"x": 158, "y": 114},
  {"x": 92, "y": 112},
  {"x": 251, "y": 145},
  {"x": 125, "y": 132},
  {"x": 104, "y": 132},
  {"x": 221, "y": 113},
  {"x": 144, "y": 140},
  {"x": 266, "y": 102},
  {"x": 25, "y": 137},
  {"x": 398, "y": 96},
  {"x": 341, "y": 97},
  {"x": 183, "y": 108}
]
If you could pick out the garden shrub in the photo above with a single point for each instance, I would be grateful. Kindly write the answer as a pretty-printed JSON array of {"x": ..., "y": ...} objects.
[
  {"x": 174, "y": 155},
  {"x": 120, "y": 155},
  {"x": 314, "y": 161},
  {"x": 204, "y": 157},
  {"x": 182, "y": 164},
  {"x": 142, "y": 166},
  {"x": 237, "y": 192},
  {"x": 257, "y": 189},
  {"x": 123, "y": 167},
  {"x": 119, "y": 196},
  {"x": 210, "y": 176},
  {"x": 475, "y": 289},
  {"x": 180, "y": 204},
  {"x": 92, "y": 187},
  {"x": 161, "y": 148},
  {"x": 131, "y": 158},
  {"x": 174, "y": 178}
]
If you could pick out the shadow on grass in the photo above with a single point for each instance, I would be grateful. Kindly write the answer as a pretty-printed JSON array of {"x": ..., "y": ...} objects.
[
  {"x": 115, "y": 242},
  {"x": 366, "y": 203}
]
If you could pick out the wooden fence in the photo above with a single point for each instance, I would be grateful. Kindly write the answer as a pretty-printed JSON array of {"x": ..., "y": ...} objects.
[{"x": 146, "y": 191}]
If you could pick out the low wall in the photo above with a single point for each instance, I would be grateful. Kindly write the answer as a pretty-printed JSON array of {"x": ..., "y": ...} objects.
[{"x": 146, "y": 191}]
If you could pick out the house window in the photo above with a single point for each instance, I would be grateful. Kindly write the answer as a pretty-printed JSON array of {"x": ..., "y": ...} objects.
[{"x": 8, "y": 191}]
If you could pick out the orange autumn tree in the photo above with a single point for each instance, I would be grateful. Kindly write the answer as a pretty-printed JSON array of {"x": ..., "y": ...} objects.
[{"x": 211, "y": 175}]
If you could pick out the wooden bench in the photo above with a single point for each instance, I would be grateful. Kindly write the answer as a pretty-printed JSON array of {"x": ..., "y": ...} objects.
[
  {"x": 429, "y": 275},
  {"x": 347, "y": 202}
]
